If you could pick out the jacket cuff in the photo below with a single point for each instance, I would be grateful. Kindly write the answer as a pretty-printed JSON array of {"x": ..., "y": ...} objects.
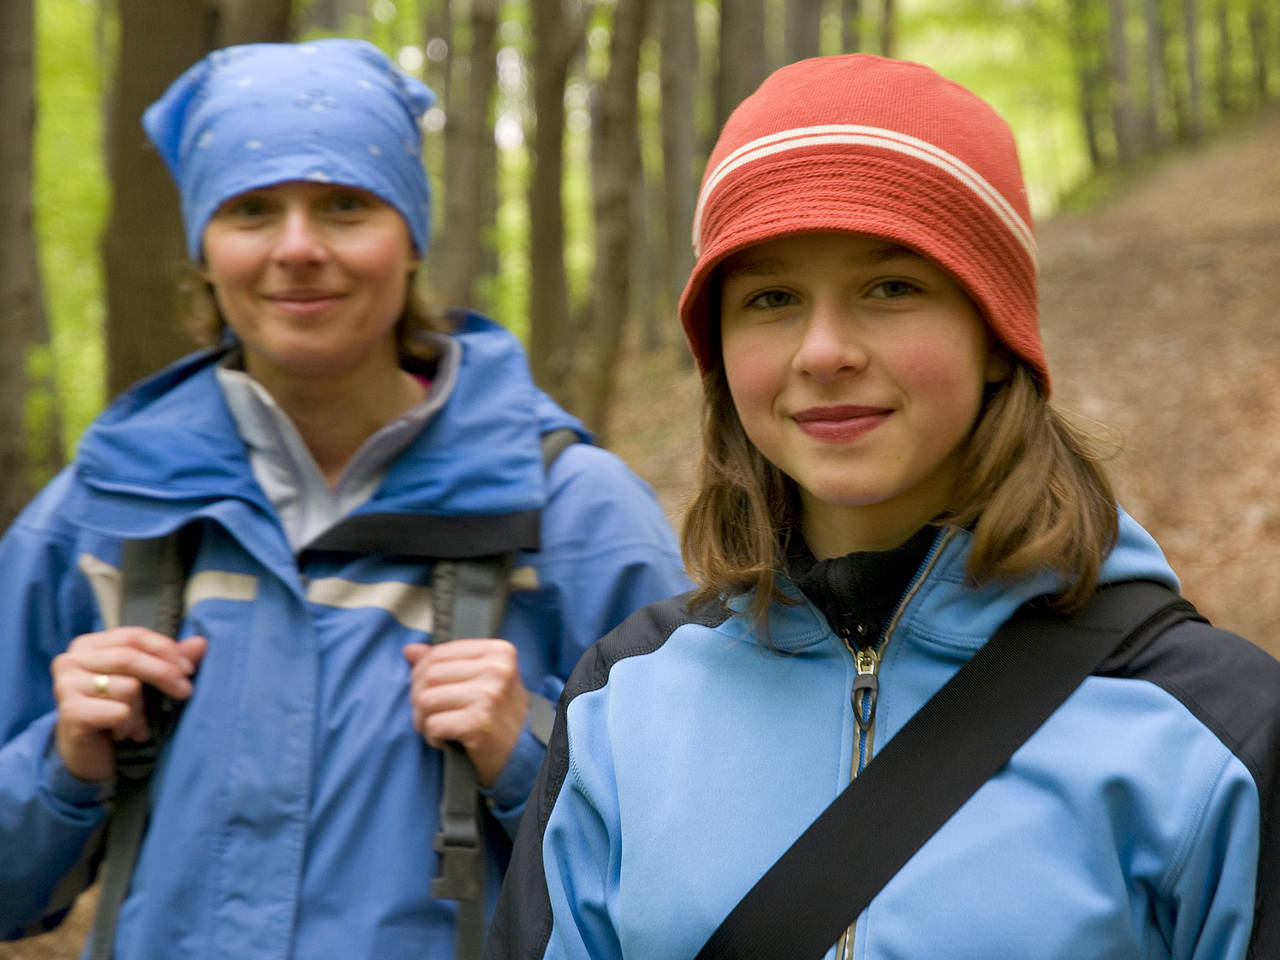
[
  {"x": 64, "y": 791},
  {"x": 508, "y": 794}
]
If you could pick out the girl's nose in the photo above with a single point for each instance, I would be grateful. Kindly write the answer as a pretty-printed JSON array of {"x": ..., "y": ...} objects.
[
  {"x": 299, "y": 240},
  {"x": 830, "y": 345}
]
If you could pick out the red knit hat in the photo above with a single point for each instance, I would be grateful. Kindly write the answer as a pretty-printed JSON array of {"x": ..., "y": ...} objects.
[{"x": 882, "y": 147}]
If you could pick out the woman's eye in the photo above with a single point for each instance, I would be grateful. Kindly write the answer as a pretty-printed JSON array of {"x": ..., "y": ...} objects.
[
  {"x": 247, "y": 207},
  {"x": 348, "y": 202},
  {"x": 894, "y": 289},
  {"x": 771, "y": 300}
]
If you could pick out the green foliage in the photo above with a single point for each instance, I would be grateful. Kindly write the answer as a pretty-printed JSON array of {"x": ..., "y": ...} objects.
[
  {"x": 71, "y": 203},
  {"x": 1015, "y": 55}
]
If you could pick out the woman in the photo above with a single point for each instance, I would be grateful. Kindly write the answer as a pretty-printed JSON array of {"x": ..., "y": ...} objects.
[
  {"x": 293, "y": 811},
  {"x": 883, "y": 485}
]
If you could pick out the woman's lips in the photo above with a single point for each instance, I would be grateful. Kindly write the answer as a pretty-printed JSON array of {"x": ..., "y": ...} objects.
[
  {"x": 304, "y": 304},
  {"x": 840, "y": 424}
]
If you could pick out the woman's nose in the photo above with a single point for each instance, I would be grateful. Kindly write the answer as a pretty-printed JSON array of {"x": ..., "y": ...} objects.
[
  {"x": 300, "y": 240},
  {"x": 830, "y": 344}
]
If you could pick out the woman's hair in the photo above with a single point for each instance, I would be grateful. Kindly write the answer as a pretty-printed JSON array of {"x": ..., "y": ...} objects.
[
  {"x": 1031, "y": 490},
  {"x": 204, "y": 323}
]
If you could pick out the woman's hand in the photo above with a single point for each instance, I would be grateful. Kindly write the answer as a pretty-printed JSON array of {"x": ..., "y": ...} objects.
[
  {"x": 98, "y": 685},
  {"x": 469, "y": 691}
]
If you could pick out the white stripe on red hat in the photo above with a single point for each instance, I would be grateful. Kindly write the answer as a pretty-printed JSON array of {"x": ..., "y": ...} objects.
[{"x": 857, "y": 135}]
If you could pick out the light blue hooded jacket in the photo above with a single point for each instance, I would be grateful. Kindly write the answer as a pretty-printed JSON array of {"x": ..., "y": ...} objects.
[
  {"x": 1140, "y": 822},
  {"x": 293, "y": 811}
]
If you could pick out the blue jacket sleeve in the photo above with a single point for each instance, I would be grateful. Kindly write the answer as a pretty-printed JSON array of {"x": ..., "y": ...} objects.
[
  {"x": 607, "y": 550},
  {"x": 47, "y": 817}
]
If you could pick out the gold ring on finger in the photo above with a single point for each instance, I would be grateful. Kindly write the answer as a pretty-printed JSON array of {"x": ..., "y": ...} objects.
[{"x": 101, "y": 683}]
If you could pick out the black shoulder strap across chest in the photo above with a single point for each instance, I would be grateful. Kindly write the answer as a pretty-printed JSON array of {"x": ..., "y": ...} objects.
[{"x": 800, "y": 907}]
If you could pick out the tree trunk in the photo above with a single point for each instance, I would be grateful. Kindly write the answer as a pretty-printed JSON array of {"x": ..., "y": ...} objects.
[
  {"x": 444, "y": 148},
  {"x": 888, "y": 29},
  {"x": 252, "y": 21},
  {"x": 1085, "y": 46},
  {"x": 1195, "y": 81},
  {"x": 646, "y": 274},
  {"x": 1222, "y": 80},
  {"x": 1123, "y": 122},
  {"x": 1156, "y": 103},
  {"x": 338, "y": 16},
  {"x": 804, "y": 29},
  {"x": 463, "y": 199},
  {"x": 851, "y": 25},
  {"x": 555, "y": 42},
  {"x": 742, "y": 54},
  {"x": 611, "y": 196},
  {"x": 680, "y": 184},
  {"x": 20, "y": 296},
  {"x": 1260, "y": 45},
  {"x": 143, "y": 243}
]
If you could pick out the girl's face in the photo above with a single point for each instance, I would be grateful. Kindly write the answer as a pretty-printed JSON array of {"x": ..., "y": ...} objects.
[
  {"x": 857, "y": 368},
  {"x": 312, "y": 278}
]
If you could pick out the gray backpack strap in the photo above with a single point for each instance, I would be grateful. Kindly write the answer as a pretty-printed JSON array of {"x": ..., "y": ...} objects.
[
  {"x": 154, "y": 573},
  {"x": 469, "y": 597}
]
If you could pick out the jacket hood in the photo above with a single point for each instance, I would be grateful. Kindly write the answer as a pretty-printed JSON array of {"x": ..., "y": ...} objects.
[
  {"x": 169, "y": 444},
  {"x": 942, "y": 609}
]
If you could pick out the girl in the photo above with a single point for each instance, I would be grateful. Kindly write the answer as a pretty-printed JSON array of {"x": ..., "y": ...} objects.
[
  {"x": 883, "y": 484},
  {"x": 332, "y": 441}
]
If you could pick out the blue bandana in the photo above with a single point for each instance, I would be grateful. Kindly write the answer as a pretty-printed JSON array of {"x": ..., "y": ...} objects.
[{"x": 331, "y": 111}]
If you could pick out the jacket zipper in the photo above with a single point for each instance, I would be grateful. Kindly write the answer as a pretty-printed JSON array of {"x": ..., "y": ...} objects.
[{"x": 866, "y": 692}]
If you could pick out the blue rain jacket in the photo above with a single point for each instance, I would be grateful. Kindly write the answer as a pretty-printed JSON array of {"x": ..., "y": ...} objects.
[
  {"x": 294, "y": 809},
  {"x": 1141, "y": 822}
]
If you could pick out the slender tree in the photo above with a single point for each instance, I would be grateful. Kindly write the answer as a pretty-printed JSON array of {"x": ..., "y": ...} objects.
[
  {"x": 469, "y": 132},
  {"x": 888, "y": 29},
  {"x": 143, "y": 245},
  {"x": 1123, "y": 114},
  {"x": 743, "y": 63},
  {"x": 557, "y": 38},
  {"x": 1156, "y": 101},
  {"x": 851, "y": 25},
  {"x": 611, "y": 202},
  {"x": 1223, "y": 60},
  {"x": 1261, "y": 46},
  {"x": 21, "y": 304},
  {"x": 1085, "y": 47},
  {"x": 804, "y": 29},
  {"x": 1195, "y": 73},
  {"x": 251, "y": 21},
  {"x": 680, "y": 186}
]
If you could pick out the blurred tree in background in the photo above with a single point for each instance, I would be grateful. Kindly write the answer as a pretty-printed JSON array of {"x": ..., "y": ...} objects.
[{"x": 565, "y": 149}]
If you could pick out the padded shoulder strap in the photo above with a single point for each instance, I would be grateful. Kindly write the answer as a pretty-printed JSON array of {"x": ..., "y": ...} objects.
[
  {"x": 153, "y": 576},
  {"x": 1030, "y": 666}
]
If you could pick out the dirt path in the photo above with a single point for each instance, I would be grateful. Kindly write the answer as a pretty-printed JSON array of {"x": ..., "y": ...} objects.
[{"x": 1161, "y": 316}]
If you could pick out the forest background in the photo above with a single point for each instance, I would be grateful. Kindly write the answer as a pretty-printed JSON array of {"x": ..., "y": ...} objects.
[{"x": 565, "y": 153}]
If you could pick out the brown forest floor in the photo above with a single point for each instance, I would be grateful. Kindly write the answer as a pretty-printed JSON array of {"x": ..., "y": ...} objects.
[{"x": 1161, "y": 317}]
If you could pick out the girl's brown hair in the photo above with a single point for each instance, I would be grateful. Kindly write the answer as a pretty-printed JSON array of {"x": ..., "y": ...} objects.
[
  {"x": 1031, "y": 490},
  {"x": 204, "y": 323}
]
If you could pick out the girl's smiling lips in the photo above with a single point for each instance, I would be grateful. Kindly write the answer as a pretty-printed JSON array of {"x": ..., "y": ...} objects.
[{"x": 839, "y": 424}]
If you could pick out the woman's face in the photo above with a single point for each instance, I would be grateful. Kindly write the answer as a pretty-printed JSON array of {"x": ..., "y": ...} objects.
[
  {"x": 857, "y": 368},
  {"x": 311, "y": 277}
]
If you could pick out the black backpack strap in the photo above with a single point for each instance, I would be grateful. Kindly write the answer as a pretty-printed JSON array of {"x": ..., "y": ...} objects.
[
  {"x": 800, "y": 907},
  {"x": 153, "y": 576},
  {"x": 469, "y": 597}
]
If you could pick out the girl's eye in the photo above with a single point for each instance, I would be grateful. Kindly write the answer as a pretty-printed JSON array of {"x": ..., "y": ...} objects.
[
  {"x": 894, "y": 289},
  {"x": 772, "y": 300}
]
